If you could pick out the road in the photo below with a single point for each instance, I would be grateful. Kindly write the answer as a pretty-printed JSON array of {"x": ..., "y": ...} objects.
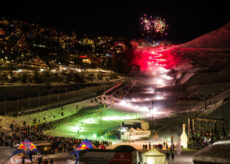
[{"x": 152, "y": 96}]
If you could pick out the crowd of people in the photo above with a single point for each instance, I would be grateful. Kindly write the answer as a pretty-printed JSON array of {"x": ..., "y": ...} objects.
[
  {"x": 159, "y": 146},
  {"x": 198, "y": 141},
  {"x": 34, "y": 133}
]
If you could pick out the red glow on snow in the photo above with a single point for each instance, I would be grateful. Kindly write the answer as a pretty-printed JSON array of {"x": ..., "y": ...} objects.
[
  {"x": 83, "y": 57},
  {"x": 149, "y": 58}
]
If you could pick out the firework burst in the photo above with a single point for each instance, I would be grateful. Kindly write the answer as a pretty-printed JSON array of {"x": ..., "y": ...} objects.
[
  {"x": 153, "y": 25},
  {"x": 160, "y": 26},
  {"x": 147, "y": 22}
]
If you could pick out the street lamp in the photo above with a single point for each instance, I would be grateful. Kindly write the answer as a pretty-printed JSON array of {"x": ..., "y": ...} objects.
[
  {"x": 151, "y": 108},
  {"x": 100, "y": 110},
  {"x": 150, "y": 117},
  {"x": 152, "y": 113}
]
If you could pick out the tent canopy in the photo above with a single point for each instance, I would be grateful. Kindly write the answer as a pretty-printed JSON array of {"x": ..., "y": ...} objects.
[
  {"x": 27, "y": 148},
  {"x": 153, "y": 152},
  {"x": 138, "y": 129},
  {"x": 86, "y": 144},
  {"x": 154, "y": 157},
  {"x": 132, "y": 130}
]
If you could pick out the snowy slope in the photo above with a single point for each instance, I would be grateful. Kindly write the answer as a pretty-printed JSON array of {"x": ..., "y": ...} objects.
[{"x": 218, "y": 39}]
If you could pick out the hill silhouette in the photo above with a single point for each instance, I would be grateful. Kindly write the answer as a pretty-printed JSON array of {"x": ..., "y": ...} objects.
[{"x": 218, "y": 39}]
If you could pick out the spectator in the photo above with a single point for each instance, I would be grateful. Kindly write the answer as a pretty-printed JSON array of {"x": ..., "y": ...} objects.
[
  {"x": 167, "y": 155},
  {"x": 149, "y": 146},
  {"x": 172, "y": 155}
]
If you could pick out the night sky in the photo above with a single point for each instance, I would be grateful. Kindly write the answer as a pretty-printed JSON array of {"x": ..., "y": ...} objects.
[{"x": 121, "y": 18}]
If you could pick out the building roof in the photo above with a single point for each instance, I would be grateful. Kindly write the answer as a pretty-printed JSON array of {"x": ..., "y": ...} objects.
[
  {"x": 124, "y": 148},
  {"x": 218, "y": 152}
]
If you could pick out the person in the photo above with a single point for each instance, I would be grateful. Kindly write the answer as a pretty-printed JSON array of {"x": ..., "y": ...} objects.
[
  {"x": 160, "y": 146},
  {"x": 167, "y": 155},
  {"x": 149, "y": 145},
  {"x": 178, "y": 148},
  {"x": 23, "y": 159},
  {"x": 172, "y": 156},
  {"x": 39, "y": 160},
  {"x": 11, "y": 127},
  {"x": 172, "y": 147}
]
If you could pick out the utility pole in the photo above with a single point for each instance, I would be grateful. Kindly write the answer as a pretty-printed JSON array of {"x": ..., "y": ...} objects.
[
  {"x": 39, "y": 100},
  {"x": 100, "y": 110},
  {"x": 5, "y": 105},
  {"x": 101, "y": 121},
  {"x": 61, "y": 100},
  {"x": 17, "y": 107},
  {"x": 205, "y": 103},
  {"x": 152, "y": 114},
  {"x": 29, "y": 101},
  {"x": 150, "y": 118},
  {"x": 65, "y": 93},
  {"x": 58, "y": 96},
  {"x": 48, "y": 97}
]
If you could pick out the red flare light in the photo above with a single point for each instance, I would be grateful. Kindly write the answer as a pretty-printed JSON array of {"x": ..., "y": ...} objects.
[{"x": 149, "y": 58}]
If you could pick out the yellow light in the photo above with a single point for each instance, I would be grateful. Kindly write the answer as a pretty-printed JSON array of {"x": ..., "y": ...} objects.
[
  {"x": 184, "y": 138},
  {"x": 150, "y": 160}
]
